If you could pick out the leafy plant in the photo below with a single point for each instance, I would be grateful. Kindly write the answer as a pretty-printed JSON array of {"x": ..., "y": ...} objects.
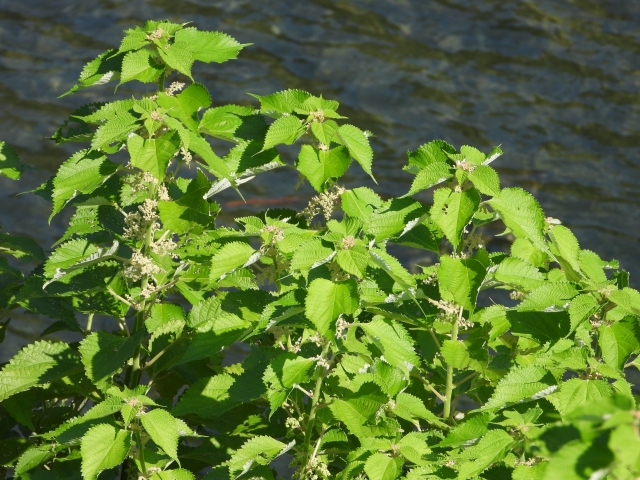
[{"x": 354, "y": 367}]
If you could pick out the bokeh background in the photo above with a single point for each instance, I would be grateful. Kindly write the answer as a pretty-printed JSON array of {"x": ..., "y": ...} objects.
[{"x": 554, "y": 82}]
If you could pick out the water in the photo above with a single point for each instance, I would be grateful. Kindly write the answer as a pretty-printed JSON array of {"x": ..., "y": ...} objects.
[{"x": 553, "y": 81}]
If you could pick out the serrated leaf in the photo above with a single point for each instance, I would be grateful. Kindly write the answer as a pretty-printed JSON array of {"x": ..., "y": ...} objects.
[
  {"x": 514, "y": 271},
  {"x": 10, "y": 164},
  {"x": 185, "y": 105},
  {"x": 32, "y": 458},
  {"x": 235, "y": 123},
  {"x": 319, "y": 165},
  {"x": 68, "y": 254},
  {"x": 103, "y": 447},
  {"x": 455, "y": 353},
  {"x": 581, "y": 308},
  {"x": 36, "y": 364},
  {"x": 593, "y": 266},
  {"x": 567, "y": 251},
  {"x": 354, "y": 260},
  {"x": 618, "y": 342},
  {"x": 575, "y": 393},
  {"x": 282, "y": 373},
  {"x": 282, "y": 102},
  {"x": 230, "y": 257},
  {"x": 392, "y": 267},
  {"x": 492, "y": 447},
  {"x": 82, "y": 173},
  {"x": 410, "y": 408},
  {"x": 430, "y": 175},
  {"x": 486, "y": 180},
  {"x": 360, "y": 202},
  {"x": 324, "y": 131},
  {"x": 178, "y": 56},
  {"x": 522, "y": 214},
  {"x": 358, "y": 144},
  {"x": 103, "y": 355},
  {"x": 472, "y": 155},
  {"x": 452, "y": 211},
  {"x": 359, "y": 409},
  {"x": 553, "y": 295},
  {"x": 102, "y": 69},
  {"x": 113, "y": 130},
  {"x": 469, "y": 431},
  {"x": 153, "y": 154},
  {"x": 382, "y": 467},
  {"x": 628, "y": 299},
  {"x": 141, "y": 66},
  {"x": 21, "y": 247},
  {"x": 394, "y": 342},
  {"x": 432, "y": 152},
  {"x": 459, "y": 280},
  {"x": 209, "y": 46},
  {"x": 540, "y": 326},
  {"x": 310, "y": 254},
  {"x": 327, "y": 300},
  {"x": 258, "y": 450},
  {"x": 162, "y": 427},
  {"x": 521, "y": 384},
  {"x": 284, "y": 130},
  {"x": 208, "y": 397}
]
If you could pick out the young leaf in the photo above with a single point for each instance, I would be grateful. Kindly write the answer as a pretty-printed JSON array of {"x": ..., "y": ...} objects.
[
  {"x": 358, "y": 144},
  {"x": 178, "y": 56},
  {"x": 618, "y": 342},
  {"x": 258, "y": 450},
  {"x": 185, "y": 105},
  {"x": 283, "y": 102},
  {"x": 209, "y": 46},
  {"x": 162, "y": 427},
  {"x": 628, "y": 299},
  {"x": 410, "y": 408},
  {"x": 102, "y": 69},
  {"x": 394, "y": 342},
  {"x": 284, "y": 130},
  {"x": 310, "y": 254},
  {"x": 68, "y": 254},
  {"x": 459, "y": 279},
  {"x": 455, "y": 353},
  {"x": 520, "y": 273},
  {"x": 103, "y": 447},
  {"x": 575, "y": 393},
  {"x": 382, "y": 467},
  {"x": 327, "y": 300},
  {"x": 452, "y": 211},
  {"x": 319, "y": 165},
  {"x": 230, "y": 257},
  {"x": 153, "y": 154},
  {"x": 567, "y": 251},
  {"x": 431, "y": 175},
  {"x": 486, "y": 180}
]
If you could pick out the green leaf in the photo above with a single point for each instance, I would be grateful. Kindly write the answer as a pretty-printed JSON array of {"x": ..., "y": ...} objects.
[
  {"x": 235, "y": 123},
  {"x": 432, "y": 174},
  {"x": 394, "y": 342},
  {"x": 567, "y": 251},
  {"x": 283, "y": 372},
  {"x": 551, "y": 294},
  {"x": 82, "y": 173},
  {"x": 178, "y": 56},
  {"x": 258, "y": 450},
  {"x": 208, "y": 397},
  {"x": 455, "y": 353},
  {"x": 32, "y": 458},
  {"x": 521, "y": 384},
  {"x": 410, "y": 408},
  {"x": 360, "y": 202},
  {"x": 486, "y": 180},
  {"x": 327, "y": 300},
  {"x": 153, "y": 154},
  {"x": 354, "y": 260},
  {"x": 593, "y": 266},
  {"x": 628, "y": 299},
  {"x": 452, "y": 211},
  {"x": 382, "y": 467},
  {"x": 115, "y": 129},
  {"x": 191, "y": 211},
  {"x": 472, "y": 429},
  {"x": 102, "y": 69},
  {"x": 618, "y": 342},
  {"x": 38, "y": 363},
  {"x": 432, "y": 152},
  {"x": 540, "y": 326},
  {"x": 284, "y": 130},
  {"x": 23, "y": 248},
  {"x": 310, "y": 254},
  {"x": 514, "y": 271},
  {"x": 324, "y": 131},
  {"x": 68, "y": 254},
  {"x": 459, "y": 279},
  {"x": 358, "y": 144},
  {"x": 140, "y": 65},
  {"x": 103, "y": 355},
  {"x": 581, "y": 308},
  {"x": 230, "y": 257},
  {"x": 492, "y": 446},
  {"x": 185, "y": 105},
  {"x": 522, "y": 214},
  {"x": 209, "y": 46},
  {"x": 320, "y": 165},
  {"x": 472, "y": 154},
  {"x": 359, "y": 409},
  {"x": 10, "y": 164},
  {"x": 283, "y": 102},
  {"x": 162, "y": 427},
  {"x": 103, "y": 447},
  {"x": 392, "y": 267},
  {"x": 575, "y": 393}
]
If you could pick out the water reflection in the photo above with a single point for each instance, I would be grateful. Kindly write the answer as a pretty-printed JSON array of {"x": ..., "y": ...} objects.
[{"x": 554, "y": 82}]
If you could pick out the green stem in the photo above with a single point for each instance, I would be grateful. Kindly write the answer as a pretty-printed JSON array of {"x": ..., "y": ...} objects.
[
  {"x": 449, "y": 386},
  {"x": 141, "y": 454},
  {"x": 89, "y": 324},
  {"x": 314, "y": 407}
]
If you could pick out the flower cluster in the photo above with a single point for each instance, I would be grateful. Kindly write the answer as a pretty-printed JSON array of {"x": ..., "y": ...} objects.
[{"x": 324, "y": 203}]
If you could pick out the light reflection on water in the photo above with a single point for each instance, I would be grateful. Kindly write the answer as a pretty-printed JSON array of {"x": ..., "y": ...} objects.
[{"x": 555, "y": 83}]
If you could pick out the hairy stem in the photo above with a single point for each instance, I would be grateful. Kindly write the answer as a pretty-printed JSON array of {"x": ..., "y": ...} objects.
[
  {"x": 312, "y": 412},
  {"x": 89, "y": 324},
  {"x": 446, "y": 413},
  {"x": 141, "y": 454}
]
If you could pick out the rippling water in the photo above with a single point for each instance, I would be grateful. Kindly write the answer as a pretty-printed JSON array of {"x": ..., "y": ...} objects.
[{"x": 555, "y": 82}]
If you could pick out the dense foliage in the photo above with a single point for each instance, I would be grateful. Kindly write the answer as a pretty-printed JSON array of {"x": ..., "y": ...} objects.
[{"x": 354, "y": 367}]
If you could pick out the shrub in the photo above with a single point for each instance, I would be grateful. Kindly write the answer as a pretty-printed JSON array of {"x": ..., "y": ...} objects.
[{"x": 354, "y": 367}]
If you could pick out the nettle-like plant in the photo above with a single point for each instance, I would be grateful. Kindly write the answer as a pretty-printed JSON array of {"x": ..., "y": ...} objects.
[{"x": 353, "y": 367}]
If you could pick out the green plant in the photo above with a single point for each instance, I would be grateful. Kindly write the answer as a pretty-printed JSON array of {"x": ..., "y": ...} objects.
[{"x": 356, "y": 366}]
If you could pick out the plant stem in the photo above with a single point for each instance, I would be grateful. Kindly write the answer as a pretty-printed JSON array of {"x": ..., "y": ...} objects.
[
  {"x": 446, "y": 413},
  {"x": 312, "y": 412},
  {"x": 89, "y": 324},
  {"x": 141, "y": 454}
]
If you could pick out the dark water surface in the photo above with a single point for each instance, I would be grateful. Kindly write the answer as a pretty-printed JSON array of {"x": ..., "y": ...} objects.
[{"x": 555, "y": 82}]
